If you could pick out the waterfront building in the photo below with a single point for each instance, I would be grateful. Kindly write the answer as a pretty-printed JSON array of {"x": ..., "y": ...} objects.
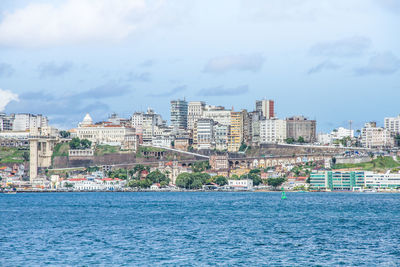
[
  {"x": 235, "y": 137},
  {"x": 195, "y": 111},
  {"x": 266, "y": 107},
  {"x": 179, "y": 114},
  {"x": 393, "y": 124},
  {"x": 350, "y": 180},
  {"x": 272, "y": 131},
  {"x": 382, "y": 180},
  {"x": 93, "y": 184},
  {"x": 203, "y": 134},
  {"x": 336, "y": 180},
  {"x": 376, "y": 137},
  {"x": 299, "y": 126},
  {"x": 244, "y": 184}
]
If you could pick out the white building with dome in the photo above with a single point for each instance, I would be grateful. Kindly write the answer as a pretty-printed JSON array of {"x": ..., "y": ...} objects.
[{"x": 106, "y": 133}]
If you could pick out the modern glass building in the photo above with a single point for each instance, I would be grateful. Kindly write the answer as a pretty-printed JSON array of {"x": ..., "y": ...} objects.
[{"x": 336, "y": 181}]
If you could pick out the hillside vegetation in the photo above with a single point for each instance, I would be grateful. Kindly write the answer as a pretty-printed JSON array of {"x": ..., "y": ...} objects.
[
  {"x": 378, "y": 164},
  {"x": 13, "y": 155}
]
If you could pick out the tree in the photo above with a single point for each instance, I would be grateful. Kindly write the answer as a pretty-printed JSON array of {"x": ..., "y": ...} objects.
[
  {"x": 220, "y": 180},
  {"x": 157, "y": 177},
  {"x": 200, "y": 166},
  {"x": 85, "y": 144},
  {"x": 75, "y": 143},
  {"x": 242, "y": 147},
  {"x": 255, "y": 171},
  {"x": 289, "y": 140},
  {"x": 234, "y": 177},
  {"x": 252, "y": 176},
  {"x": 68, "y": 185},
  {"x": 65, "y": 134},
  {"x": 301, "y": 139},
  {"x": 192, "y": 180},
  {"x": 25, "y": 156},
  {"x": 275, "y": 182}
]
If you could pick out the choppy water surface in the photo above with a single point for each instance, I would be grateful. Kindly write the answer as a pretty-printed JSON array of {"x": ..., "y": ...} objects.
[{"x": 199, "y": 229}]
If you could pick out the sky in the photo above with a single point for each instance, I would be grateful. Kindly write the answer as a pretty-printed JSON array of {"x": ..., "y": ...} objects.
[{"x": 329, "y": 60}]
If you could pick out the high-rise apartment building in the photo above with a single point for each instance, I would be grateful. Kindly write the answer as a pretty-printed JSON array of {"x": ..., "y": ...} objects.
[
  {"x": 299, "y": 126},
  {"x": 195, "y": 111},
  {"x": 221, "y": 133},
  {"x": 179, "y": 114},
  {"x": 266, "y": 107},
  {"x": 25, "y": 121},
  {"x": 235, "y": 137},
  {"x": 393, "y": 124},
  {"x": 272, "y": 131},
  {"x": 203, "y": 134}
]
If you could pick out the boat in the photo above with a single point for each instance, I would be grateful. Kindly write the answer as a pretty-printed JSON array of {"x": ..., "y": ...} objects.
[{"x": 10, "y": 192}]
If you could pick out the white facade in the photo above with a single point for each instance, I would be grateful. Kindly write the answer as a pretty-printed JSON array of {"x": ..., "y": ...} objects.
[
  {"x": 221, "y": 133},
  {"x": 90, "y": 184},
  {"x": 382, "y": 180},
  {"x": 195, "y": 111},
  {"x": 25, "y": 122},
  {"x": 376, "y": 137},
  {"x": 222, "y": 116},
  {"x": 393, "y": 124},
  {"x": 341, "y": 133},
  {"x": 272, "y": 131},
  {"x": 203, "y": 135},
  {"x": 245, "y": 184}
]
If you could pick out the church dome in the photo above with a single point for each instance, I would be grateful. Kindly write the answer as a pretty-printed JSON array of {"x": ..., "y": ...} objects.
[{"x": 87, "y": 120}]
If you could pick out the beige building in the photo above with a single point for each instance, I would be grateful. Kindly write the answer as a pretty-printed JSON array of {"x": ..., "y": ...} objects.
[
  {"x": 107, "y": 134},
  {"x": 299, "y": 126},
  {"x": 376, "y": 137},
  {"x": 195, "y": 111},
  {"x": 217, "y": 114}
]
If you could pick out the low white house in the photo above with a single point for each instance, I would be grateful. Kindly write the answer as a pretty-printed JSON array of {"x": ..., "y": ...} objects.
[
  {"x": 245, "y": 184},
  {"x": 90, "y": 184}
]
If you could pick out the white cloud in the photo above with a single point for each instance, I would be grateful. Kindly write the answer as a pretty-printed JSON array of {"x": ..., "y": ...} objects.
[
  {"x": 73, "y": 21},
  {"x": 382, "y": 63},
  {"x": 348, "y": 47},
  {"x": 6, "y": 97},
  {"x": 223, "y": 64}
]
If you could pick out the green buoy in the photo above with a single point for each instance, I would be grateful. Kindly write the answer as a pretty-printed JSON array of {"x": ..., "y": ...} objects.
[{"x": 283, "y": 195}]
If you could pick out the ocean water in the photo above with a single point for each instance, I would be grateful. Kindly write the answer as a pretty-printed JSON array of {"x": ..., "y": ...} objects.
[{"x": 150, "y": 229}]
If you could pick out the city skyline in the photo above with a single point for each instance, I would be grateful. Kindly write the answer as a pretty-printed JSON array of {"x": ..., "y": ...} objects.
[{"x": 309, "y": 57}]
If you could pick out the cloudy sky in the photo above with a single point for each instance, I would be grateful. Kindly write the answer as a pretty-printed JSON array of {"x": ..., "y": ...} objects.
[{"x": 330, "y": 60}]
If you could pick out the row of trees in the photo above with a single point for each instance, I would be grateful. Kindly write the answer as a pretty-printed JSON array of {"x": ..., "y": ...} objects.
[
  {"x": 291, "y": 140},
  {"x": 153, "y": 177}
]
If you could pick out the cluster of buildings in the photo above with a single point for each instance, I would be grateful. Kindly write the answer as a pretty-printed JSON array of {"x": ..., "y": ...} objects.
[
  {"x": 353, "y": 180},
  {"x": 201, "y": 126}
]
